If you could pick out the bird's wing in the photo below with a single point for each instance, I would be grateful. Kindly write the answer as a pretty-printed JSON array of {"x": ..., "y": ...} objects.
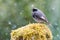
[{"x": 40, "y": 17}]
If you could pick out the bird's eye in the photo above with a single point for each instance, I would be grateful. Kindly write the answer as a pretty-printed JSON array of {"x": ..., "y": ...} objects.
[{"x": 34, "y": 10}]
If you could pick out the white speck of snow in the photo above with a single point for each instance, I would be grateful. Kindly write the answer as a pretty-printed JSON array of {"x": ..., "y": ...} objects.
[
  {"x": 32, "y": 6},
  {"x": 14, "y": 26},
  {"x": 57, "y": 35},
  {"x": 20, "y": 13},
  {"x": 15, "y": 4},
  {"x": 9, "y": 22},
  {"x": 53, "y": 8}
]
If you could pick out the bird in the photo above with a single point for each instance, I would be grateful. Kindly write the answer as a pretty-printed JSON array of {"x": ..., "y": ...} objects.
[{"x": 39, "y": 16}]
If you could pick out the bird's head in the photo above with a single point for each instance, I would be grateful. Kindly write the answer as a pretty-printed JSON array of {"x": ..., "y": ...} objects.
[{"x": 34, "y": 9}]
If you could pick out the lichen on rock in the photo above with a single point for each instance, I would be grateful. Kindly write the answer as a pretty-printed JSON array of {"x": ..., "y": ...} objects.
[{"x": 34, "y": 31}]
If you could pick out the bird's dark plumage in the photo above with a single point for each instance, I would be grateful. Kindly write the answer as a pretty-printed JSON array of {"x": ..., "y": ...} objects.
[{"x": 34, "y": 10}]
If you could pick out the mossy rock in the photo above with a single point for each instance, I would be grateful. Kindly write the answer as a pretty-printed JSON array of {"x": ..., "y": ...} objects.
[{"x": 35, "y": 31}]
